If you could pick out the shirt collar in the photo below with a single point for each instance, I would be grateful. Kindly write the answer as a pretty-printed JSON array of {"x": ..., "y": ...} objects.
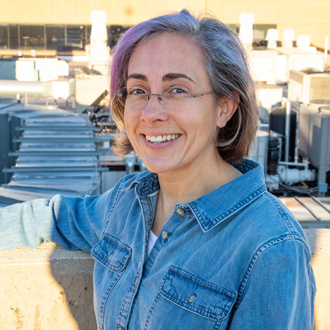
[
  {"x": 145, "y": 183},
  {"x": 220, "y": 204}
]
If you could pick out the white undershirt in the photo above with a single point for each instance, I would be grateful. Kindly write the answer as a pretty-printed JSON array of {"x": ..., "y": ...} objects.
[
  {"x": 151, "y": 242},
  {"x": 152, "y": 237}
]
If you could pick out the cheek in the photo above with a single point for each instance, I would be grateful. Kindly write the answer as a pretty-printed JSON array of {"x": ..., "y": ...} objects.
[{"x": 130, "y": 123}]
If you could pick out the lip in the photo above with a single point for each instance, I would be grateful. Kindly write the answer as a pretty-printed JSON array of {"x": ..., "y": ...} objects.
[{"x": 159, "y": 146}]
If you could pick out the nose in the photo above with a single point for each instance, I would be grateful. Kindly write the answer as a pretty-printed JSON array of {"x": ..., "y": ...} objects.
[{"x": 154, "y": 110}]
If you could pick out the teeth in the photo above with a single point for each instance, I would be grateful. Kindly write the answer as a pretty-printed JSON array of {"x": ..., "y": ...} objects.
[{"x": 161, "y": 138}]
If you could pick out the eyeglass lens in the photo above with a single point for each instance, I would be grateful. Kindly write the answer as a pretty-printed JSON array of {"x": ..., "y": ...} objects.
[{"x": 171, "y": 101}]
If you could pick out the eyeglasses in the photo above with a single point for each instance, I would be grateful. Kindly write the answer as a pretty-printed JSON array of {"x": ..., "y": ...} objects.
[{"x": 171, "y": 99}]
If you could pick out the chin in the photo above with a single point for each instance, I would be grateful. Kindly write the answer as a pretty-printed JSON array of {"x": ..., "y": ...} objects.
[{"x": 158, "y": 167}]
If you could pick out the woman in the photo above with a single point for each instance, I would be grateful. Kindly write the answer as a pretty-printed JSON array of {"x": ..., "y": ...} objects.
[{"x": 197, "y": 242}]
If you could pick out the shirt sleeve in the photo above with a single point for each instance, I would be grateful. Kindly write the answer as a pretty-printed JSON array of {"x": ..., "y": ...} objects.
[
  {"x": 71, "y": 222},
  {"x": 279, "y": 291}
]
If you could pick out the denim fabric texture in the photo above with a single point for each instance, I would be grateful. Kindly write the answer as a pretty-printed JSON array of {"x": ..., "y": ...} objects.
[{"x": 232, "y": 259}]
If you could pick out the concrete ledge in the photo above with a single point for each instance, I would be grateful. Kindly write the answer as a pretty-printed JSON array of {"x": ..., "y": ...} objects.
[
  {"x": 319, "y": 242},
  {"x": 51, "y": 288},
  {"x": 46, "y": 288}
]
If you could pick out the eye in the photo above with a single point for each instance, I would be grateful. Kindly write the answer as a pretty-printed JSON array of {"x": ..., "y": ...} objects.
[
  {"x": 178, "y": 90},
  {"x": 137, "y": 91}
]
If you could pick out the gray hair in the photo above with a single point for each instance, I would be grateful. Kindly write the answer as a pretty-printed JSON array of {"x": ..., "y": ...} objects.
[{"x": 225, "y": 61}]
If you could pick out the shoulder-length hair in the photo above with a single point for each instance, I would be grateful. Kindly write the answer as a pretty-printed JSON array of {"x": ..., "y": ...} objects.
[{"x": 225, "y": 61}]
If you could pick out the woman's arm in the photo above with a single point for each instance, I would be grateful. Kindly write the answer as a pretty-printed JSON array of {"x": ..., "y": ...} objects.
[
  {"x": 278, "y": 290},
  {"x": 72, "y": 222}
]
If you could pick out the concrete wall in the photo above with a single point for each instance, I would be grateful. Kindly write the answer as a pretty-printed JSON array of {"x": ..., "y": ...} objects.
[
  {"x": 304, "y": 16},
  {"x": 319, "y": 242},
  {"x": 46, "y": 288},
  {"x": 50, "y": 288}
]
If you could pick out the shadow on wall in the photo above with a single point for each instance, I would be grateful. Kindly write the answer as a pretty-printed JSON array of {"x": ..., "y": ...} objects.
[
  {"x": 75, "y": 276},
  {"x": 46, "y": 288}
]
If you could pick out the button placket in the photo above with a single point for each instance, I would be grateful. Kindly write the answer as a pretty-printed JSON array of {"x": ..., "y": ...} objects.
[
  {"x": 191, "y": 298},
  {"x": 180, "y": 211}
]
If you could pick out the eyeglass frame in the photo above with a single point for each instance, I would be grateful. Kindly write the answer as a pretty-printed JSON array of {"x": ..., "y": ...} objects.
[{"x": 160, "y": 97}]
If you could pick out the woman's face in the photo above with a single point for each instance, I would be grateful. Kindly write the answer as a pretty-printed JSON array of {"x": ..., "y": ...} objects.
[{"x": 172, "y": 62}]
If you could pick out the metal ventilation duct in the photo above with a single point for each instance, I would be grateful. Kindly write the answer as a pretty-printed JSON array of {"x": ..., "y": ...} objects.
[{"x": 55, "y": 150}]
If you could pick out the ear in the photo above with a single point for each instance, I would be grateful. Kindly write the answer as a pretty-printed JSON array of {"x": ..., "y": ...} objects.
[{"x": 227, "y": 108}]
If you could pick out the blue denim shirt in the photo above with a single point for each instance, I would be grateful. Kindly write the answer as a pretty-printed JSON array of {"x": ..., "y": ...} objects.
[{"x": 232, "y": 259}]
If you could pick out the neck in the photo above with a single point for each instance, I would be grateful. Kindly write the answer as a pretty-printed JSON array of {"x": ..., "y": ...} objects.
[{"x": 188, "y": 184}]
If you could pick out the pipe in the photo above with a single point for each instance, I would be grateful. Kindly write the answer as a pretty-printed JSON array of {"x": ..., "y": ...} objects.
[
  {"x": 293, "y": 175},
  {"x": 129, "y": 161},
  {"x": 305, "y": 165},
  {"x": 287, "y": 129},
  {"x": 326, "y": 51},
  {"x": 15, "y": 88},
  {"x": 141, "y": 164}
]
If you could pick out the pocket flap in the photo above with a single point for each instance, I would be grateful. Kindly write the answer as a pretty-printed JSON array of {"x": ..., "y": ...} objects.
[
  {"x": 111, "y": 253},
  {"x": 190, "y": 292}
]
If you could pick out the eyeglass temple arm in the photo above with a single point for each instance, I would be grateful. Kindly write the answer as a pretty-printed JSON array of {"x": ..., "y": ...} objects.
[{"x": 197, "y": 95}]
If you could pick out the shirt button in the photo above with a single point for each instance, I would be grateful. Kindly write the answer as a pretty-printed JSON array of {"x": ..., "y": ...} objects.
[
  {"x": 136, "y": 281},
  {"x": 180, "y": 211},
  {"x": 164, "y": 234},
  {"x": 110, "y": 256},
  {"x": 191, "y": 298},
  {"x": 120, "y": 329}
]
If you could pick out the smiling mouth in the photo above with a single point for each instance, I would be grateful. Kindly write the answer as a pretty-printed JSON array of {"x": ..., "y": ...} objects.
[{"x": 161, "y": 138}]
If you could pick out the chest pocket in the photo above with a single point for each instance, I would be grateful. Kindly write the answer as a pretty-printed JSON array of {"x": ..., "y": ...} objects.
[
  {"x": 189, "y": 292},
  {"x": 112, "y": 253}
]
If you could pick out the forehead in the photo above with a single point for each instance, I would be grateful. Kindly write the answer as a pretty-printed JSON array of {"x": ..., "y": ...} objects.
[{"x": 168, "y": 53}]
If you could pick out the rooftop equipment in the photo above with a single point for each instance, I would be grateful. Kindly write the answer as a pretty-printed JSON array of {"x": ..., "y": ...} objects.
[
  {"x": 246, "y": 21},
  {"x": 98, "y": 51},
  {"x": 55, "y": 151},
  {"x": 314, "y": 137},
  {"x": 309, "y": 85},
  {"x": 303, "y": 41},
  {"x": 272, "y": 38},
  {"x": 298, "y": 59},
  {"x": 269, "y": 97},
  {"x": 288, "y": 38}
]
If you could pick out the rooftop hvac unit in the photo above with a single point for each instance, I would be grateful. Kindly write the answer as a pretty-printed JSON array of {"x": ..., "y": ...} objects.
[
  {"x": 314, "y": 137},
  {"x": 264, "y": 66},
  {"x": 88, "y": 87},
  {"x": 298, "y": 59},
  {"x": 277, "y": 123},
  {"x": 260, "y": 151},
  {"x": 32, "y": 69},
  {"x": 26, "y": 71},
  {"x": 43, "y": 69},
  {"x": 269, "y": 97},
  {"x": 7, "y": 69},
  {"x": 307, "y": 86}
]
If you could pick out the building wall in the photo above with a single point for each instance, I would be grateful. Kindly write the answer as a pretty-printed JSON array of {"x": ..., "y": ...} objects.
[{"x": 304, "y": 16}]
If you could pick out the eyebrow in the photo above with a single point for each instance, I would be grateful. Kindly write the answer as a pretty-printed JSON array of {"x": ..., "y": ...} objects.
[
  {"x": 137, "y": 76},
  {"x": 173, "y": 76},
  {"x": 167, "y": 77}
]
